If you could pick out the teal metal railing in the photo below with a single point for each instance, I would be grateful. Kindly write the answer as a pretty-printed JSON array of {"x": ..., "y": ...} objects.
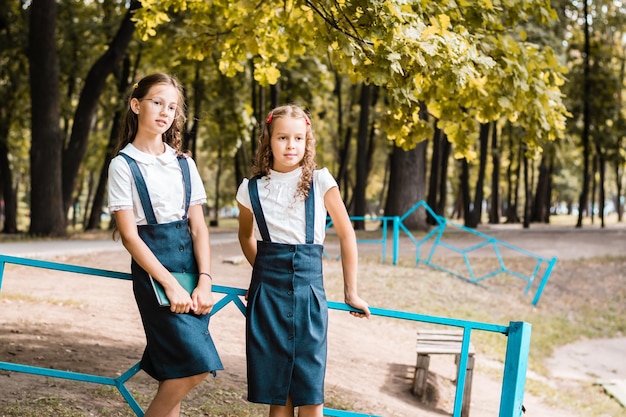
[
  {"x": 435, "y": 238},
  {"x": 515, "y": 362}
]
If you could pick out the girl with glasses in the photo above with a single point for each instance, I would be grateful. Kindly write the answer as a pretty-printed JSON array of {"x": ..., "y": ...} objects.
[{"x": 156, "y": 196}]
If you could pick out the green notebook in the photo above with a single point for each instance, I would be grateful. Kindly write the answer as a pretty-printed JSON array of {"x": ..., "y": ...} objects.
[{"x": 187, "y": 280}]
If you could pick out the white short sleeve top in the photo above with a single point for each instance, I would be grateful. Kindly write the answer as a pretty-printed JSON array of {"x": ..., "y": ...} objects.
[
  {"x": 164, "y": 180},
  {"x": 284, "y": 213}
]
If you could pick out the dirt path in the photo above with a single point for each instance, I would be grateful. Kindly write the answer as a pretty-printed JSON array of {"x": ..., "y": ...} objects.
[{"x": 90, "y": 324}]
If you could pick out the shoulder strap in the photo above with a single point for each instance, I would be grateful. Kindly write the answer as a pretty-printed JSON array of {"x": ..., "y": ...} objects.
[
  {"x": 309, "y": 207},
  {"x": 184, "y": 166},
  {"x": 253, "y": 190},
  {"x": 142, "y": 190}
]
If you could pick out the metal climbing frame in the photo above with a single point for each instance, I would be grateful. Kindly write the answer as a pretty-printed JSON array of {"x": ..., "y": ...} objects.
[
  {"x": 435, "y": 238},
  {"x": 515, "y": 362}
]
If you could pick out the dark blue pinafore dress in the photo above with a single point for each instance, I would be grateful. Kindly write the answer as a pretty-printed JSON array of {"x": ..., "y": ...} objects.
[
  {"x": 178, "y": 345},
  {"x": 286, "y": 317}
]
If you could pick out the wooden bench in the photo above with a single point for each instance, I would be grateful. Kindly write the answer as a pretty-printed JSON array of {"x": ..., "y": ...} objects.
[{"x": 442, "y": 342}]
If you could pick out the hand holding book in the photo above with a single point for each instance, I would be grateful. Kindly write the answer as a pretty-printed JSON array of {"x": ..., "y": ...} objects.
[
  {"x": 202, "y": 304},
  {"x": 188, "y": 281}
]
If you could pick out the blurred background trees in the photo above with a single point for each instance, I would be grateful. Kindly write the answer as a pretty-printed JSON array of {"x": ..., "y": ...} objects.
[{"x": 491, "y": 111}]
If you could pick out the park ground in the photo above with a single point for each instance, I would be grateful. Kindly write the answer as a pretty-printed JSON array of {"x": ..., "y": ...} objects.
[{"x": 80, "y": 323}]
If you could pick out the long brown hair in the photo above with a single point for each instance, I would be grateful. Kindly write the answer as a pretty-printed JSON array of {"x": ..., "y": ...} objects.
[
  {"x": 264, "y": 158},
  {"x": 130, "y": 122},
  {"x": 128, "y": 130}
]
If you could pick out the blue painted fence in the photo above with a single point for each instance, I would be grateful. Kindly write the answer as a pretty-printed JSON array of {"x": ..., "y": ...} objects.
[
  {"x": 435, "y": 238},
  {"x": 515, "y": 364}
]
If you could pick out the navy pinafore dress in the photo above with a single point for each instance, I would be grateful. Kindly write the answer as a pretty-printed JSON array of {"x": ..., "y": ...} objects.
[
  {"x": 286, "y": 317},
  {"x": 177, "y": 345}
]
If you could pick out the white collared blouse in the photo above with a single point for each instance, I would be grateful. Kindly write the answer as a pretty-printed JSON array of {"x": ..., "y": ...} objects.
[
  {"x": 164, "y": 180},
  {"x": 284, "y": 213}
]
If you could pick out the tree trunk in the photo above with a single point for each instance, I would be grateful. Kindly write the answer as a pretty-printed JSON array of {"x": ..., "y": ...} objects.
[
  {"x": 494, "y": 211},
  {"x": 446, "y": 148},
  {"x": 582, "y": 203},
  {"x": 601, "y": 189},
  {"x": 88, "y": 103},
  {"x": 513, "y": 179},
  {"x": 472, "y": 218},
  {"x": 90, "y": 194},
  {"x": 435, "y": 178},
  {"x": 591, "y": 203},
  {"x": 619, "y": 174},
  {"x": 343, "y": 149},
  {"x": 47, "y": 214},
  {"x": 464, "y": 189},
  {"x": 343, "y": 176},
  {"x": 527, "y": 195},
  {"x": 218, "y": 178},
  {"x": 407, "y": 180},
  {"x": 95, "y": 215},
  {"x": 360, "y": 201},
  {"x": 619, "y": 161},
  {"x": 9, "y": 197},
  {"x": 541, "y": 204}
]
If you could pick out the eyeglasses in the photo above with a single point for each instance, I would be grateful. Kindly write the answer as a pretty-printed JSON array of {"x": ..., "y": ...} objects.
[{"x": 159, "y": 105}]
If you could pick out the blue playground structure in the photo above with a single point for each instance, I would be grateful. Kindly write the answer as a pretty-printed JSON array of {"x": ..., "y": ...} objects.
[
  {"x": 515, "y": 361},
  {"x": 445, "y": 256}
]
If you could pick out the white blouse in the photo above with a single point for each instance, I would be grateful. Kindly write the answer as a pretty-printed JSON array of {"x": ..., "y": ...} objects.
[
  {"x": 284, "y": 213},
  {"x": 164, "y": 180}
]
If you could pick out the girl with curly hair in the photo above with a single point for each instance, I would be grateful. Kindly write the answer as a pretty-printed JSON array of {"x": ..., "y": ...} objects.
[{"x": 282, "y": 225}]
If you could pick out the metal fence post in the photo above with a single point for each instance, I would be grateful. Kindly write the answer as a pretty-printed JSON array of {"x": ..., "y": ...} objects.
[{"x": 515, "y": 365}]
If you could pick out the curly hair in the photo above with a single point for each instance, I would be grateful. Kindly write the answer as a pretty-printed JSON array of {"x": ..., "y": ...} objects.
[
  {"x": 264, "y": 158},
  {"x": 172, "y": 136}
]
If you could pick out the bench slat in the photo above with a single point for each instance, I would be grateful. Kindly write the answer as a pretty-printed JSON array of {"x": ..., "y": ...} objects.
[
  {"x": 440, "y": 342},
  {"x": 451, "y": 338}
]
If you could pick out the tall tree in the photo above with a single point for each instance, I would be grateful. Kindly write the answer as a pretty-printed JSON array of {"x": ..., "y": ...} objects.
[
  {"x": 473, "y": 211},
  {"x": 407, "y": 174},
  {"x": 15, "y": 108},
  {"x": 88, "y": 102},
  {"x": 494, "y": 210},
  {"x": 584, "y": 193},
  {"x": 407, "y": 180},
  {"x": 542, "y": 202},
  {"x": 438, "y": 177},
  {"x": 95, "y": 213},
  {"x": 362, "y": 149},
  {"x": 527, "y": 193},
  {"x": 47, "y": 215}
]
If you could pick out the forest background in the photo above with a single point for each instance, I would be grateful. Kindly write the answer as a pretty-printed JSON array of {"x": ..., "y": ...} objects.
[{"x": 498, "y": 111}]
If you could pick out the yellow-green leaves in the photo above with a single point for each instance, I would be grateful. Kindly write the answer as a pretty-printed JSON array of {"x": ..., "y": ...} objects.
[
  {"x": 469, "y": 61},
  {"x": 266, "y": 74}
]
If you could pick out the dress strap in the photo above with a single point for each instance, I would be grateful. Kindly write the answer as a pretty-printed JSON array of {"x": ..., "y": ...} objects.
[
  {"x": 142, "y": 189},
  {"x": 184, "y": 167},
  {"x": 253, "y": 190},
  {"x": 309, "y": 208}
]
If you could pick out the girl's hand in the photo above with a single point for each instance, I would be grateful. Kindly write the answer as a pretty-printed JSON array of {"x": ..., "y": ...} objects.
[
  {"x": 180, "y": 301},
  {"x": 358, "y": 303},
  {"x": 202, "y": 298}
]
